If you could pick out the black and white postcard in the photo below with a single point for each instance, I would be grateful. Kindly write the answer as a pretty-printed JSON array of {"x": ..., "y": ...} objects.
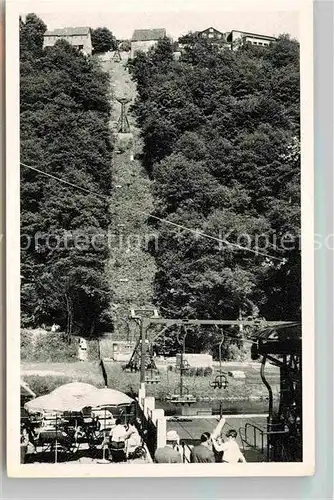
[{"x": 160, "y": 238}]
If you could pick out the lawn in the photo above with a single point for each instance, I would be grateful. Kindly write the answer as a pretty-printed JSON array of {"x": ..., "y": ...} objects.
[
  {"x": 48, "y": 362},
  {"x": 44, "y": 377},
  {"x": 199, "y": 386}
]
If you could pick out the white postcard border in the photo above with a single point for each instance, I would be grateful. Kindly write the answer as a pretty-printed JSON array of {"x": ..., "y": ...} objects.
[{"x": 14, "y": 468}]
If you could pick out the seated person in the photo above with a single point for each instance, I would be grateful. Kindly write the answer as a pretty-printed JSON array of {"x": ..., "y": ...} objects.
[
  {"x": 78, "y": 433},
  {"x": 117, "y": 442},
  {"x": 132, "y": 438},
  {"x": 24, "y": 443}
]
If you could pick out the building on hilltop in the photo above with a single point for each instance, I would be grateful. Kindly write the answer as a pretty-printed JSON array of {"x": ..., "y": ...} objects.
[
  {"x": 242, "y": 37},
  {"x": 212, "y": 35},
  {"x": 77, "y": 37},
  {"x": 143, "y": 40},
  {"x": 227, "y": 40}
]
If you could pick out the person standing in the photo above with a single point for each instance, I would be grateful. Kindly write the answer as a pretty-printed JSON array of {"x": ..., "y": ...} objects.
[
  {"x": 230, "y": 448},
  {"x": 204, "y": 452},
  {"x": 169, "y": 454}
]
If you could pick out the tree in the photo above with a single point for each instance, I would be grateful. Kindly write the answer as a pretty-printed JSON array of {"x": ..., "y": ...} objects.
[
  {"x": 64, "y": 125},
  {"x": 125, "y": 45},
  {"x": 31, "y": 35},
  {"x": 221, "y": 142},
  {"x": 103, "y": 40}
]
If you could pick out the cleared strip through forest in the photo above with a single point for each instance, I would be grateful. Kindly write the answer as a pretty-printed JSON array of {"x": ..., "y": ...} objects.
[{"x": 130, "y": 269}]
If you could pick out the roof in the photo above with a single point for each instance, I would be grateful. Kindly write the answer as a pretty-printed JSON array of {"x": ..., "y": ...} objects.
[
  {"x": 68, "y": 31},
  {"x": 146, "y": 35},
  {"x": 279, "y": 333},
  {"x": 257, "y": 35},
  {"x": 279, "y": 340},
  {"x": 210, "y": 28}
]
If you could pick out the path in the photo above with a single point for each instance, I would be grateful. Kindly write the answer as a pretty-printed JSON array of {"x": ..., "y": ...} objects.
[{"x": 131, "y": 269}]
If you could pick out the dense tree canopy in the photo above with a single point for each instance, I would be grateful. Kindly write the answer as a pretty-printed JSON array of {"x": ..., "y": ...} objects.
[
  {"x": 221, "y": 142},
  {"x": 32, "y": 30},
  {"x": 65, "y": 109},
  {"x": 103, "y": 40}
]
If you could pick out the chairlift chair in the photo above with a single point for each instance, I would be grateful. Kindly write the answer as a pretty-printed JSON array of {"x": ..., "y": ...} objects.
[
  {"x": 220, "y": 381},
  {"x": 182, "y": 397},
  {"x": 153, "y": 376}
]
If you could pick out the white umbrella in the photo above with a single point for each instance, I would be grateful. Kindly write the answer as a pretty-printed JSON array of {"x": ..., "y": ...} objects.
[
  {"x": 67, "y": 397},
  {"x": 107, "y": 397},
  {"x": 53, "y": 403},
  {"x": 75, "y": 389}
]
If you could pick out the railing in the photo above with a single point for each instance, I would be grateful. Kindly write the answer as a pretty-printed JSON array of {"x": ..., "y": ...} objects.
[
  {"x": 186, "y": 450},
  {"x": 148, "y": 429},
  {"x": 257, "y": 431},
  {"x": 261, "y": 437}
]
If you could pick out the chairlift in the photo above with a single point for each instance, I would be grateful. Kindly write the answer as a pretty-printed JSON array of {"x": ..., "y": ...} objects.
[
  {"x": 220, "y": 381},
  {"x": 183, "y": 397},
  {"x": 153, "y": 376}
]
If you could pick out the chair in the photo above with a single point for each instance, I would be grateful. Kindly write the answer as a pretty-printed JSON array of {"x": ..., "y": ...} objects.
[{"x": 116, "y": 450}]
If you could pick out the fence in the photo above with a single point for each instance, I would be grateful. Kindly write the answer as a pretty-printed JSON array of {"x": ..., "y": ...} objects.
[{"x": 153, "y": 422}]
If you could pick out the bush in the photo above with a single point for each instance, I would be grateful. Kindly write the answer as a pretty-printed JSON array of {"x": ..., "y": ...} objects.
[
  {"x": 199, "y": 371},
  {"x": 43, "y": 385},
  {"x": 233, "y": 353},
  {"x": 207, "y": 372},
  {"x": 93, "y": 350},
  {"x": 46, "y": 347},
  {"x": 26, "y": 345},
  {"x": 124, "y": 144}
]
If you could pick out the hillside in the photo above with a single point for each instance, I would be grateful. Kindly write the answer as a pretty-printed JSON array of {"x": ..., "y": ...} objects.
[{"x": 131, "y": 269}]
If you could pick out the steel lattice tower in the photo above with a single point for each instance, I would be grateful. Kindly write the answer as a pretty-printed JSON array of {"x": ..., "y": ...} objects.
[{"x": 123, "y": 125}]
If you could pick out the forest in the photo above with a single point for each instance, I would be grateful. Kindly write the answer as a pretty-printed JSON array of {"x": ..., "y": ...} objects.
[
  {"x": 221, "y": 144},
  {"x": 221, "y": 132},
  {"x": 64, "y": 126}
]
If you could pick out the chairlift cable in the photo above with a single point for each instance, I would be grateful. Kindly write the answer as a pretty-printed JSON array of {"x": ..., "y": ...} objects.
[{"x": 161, "y": 219}]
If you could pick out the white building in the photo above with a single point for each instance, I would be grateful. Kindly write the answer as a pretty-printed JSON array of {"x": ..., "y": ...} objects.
[
  {"x": 143, "y": 40},
  {"x": 236, "y": 36},
  {"x": 78, "y": 37}
]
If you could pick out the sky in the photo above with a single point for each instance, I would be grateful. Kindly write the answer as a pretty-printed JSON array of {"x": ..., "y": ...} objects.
[{"x": 271, "y": 17}]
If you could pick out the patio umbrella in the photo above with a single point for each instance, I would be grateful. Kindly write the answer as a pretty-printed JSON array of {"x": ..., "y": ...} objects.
[
  {"x": 53, "y": 403},
  {"x": 107, "y": 397},
  {"x": 74, "y": 389},
  {"x": 67, "y": 397}
]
